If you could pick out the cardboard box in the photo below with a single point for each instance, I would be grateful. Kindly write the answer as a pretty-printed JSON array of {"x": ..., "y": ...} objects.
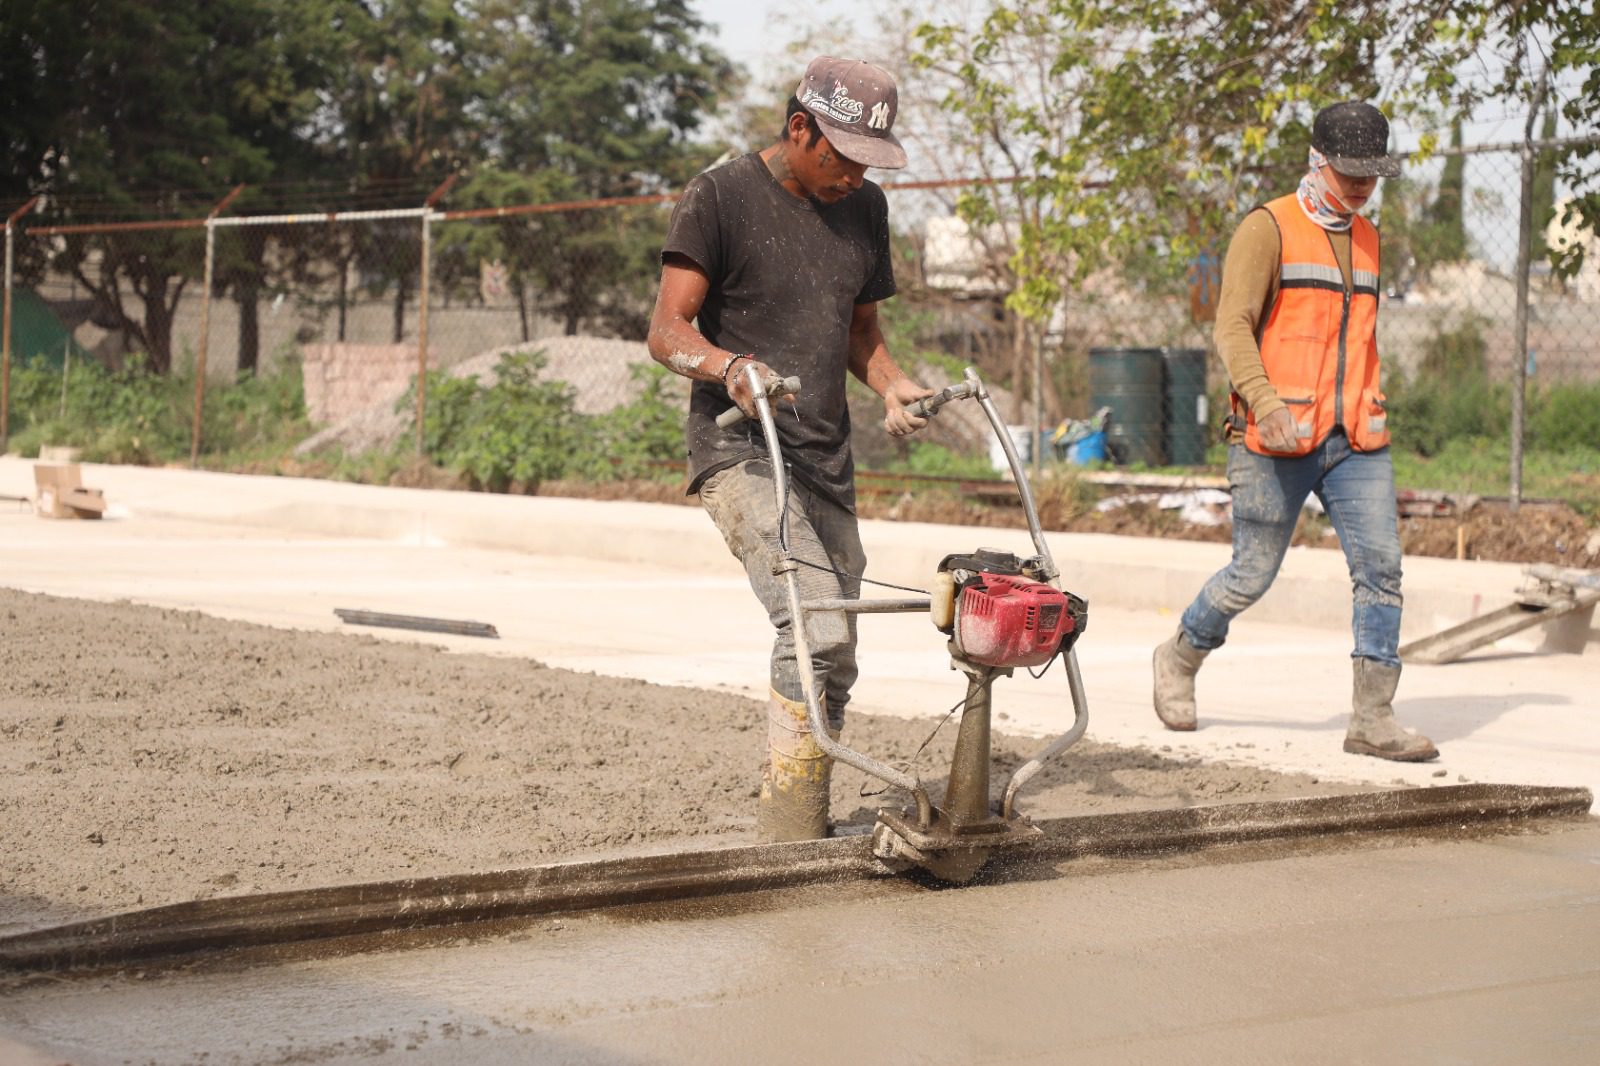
[{"x": 62, "y": 494}]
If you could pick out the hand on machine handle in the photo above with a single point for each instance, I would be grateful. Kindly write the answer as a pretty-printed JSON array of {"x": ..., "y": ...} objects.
[
  {"x": 929, "y": 405},
  {"x": 901, "y": 400},
  {"x": 739, "y": 390}
]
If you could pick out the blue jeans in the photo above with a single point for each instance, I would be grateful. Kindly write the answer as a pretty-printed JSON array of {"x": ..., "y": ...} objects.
[
  {"x": 741, "y": 501},
  {"x": 1357, "y": 491}
]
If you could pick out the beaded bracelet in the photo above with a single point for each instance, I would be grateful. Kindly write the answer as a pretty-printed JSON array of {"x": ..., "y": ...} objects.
[{"x": 727, "y": 369}]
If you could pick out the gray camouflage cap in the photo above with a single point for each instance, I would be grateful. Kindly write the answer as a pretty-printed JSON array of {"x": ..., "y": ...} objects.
[
  {"x": 1354, "y": 138},
  {"x": 855, "y": 104}
]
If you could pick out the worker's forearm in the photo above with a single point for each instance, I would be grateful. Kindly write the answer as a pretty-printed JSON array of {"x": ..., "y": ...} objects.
[
  {"x": 678, "y": 346},
  {"x": 871, "y": 362}
]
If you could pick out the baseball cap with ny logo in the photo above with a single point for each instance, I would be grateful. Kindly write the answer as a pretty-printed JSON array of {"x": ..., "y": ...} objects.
[{"x": 854, "y": 103}]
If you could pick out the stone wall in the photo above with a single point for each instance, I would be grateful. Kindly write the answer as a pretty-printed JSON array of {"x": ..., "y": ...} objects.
[{"x": 342, "y": 379}]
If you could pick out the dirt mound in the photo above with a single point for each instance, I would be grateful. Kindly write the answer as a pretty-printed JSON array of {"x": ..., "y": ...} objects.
[
  {"x": 149, "y": 756},
  {"x": 1538, "y": 533}
]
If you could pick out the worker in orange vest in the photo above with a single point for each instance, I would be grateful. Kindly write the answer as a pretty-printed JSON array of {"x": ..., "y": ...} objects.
[{"x": 1297, "y": 329}]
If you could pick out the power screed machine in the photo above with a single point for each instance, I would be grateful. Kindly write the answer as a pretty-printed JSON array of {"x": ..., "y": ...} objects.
[{"x": 999, "y": 612}]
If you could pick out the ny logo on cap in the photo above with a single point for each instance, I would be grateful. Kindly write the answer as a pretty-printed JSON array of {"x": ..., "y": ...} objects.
[{"x": 879, "y": 118}]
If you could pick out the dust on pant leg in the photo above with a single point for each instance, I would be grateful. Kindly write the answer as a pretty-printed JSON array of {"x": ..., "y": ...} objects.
[
  {"x": 741, "y": 501},
  {"x": 839, "y": 538},
  {"x": 1266, "y": 504},
  {"x": 1358, "y": 494}
]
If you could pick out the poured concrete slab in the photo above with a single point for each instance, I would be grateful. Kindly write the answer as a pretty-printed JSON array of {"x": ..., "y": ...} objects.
[{"x": 1413, "y": 950}]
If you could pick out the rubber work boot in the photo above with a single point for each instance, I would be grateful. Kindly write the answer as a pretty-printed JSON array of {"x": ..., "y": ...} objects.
[
  {"x": 1176, "y": 662},
  {"x": 1373, "y": 730},
  {"x": 796, "y": 778}
]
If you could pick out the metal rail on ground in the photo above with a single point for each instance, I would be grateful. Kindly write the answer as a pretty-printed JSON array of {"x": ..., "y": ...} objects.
[
  {"x": 187, "y": 929},
  {"x": 358, "y": 617}
]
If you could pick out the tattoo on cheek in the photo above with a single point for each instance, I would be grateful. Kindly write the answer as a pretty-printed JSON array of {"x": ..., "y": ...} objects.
[{"x": 825, "y": 158}]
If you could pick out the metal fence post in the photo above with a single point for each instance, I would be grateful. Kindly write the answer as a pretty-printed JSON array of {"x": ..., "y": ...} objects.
[
  {"x": 422, "y": 314},
  {"x": 205, "y": 323},
  {"x": 205, "y": 334},
  {"x": 1519, "y": 373},
  {"x": 422, "y": 325},
  {"x": 5, "y": 328},
  {"x": 5, "y": 355}
]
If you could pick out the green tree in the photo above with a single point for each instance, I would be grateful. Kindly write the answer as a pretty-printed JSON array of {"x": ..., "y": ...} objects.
[
  {"x": 588, "y": 99},
  {"x": 1544, "y": 189},
  {"x": 1447, "y": 215},
  {"x": 1187, "y": 113},
  {"x": 156, "y": 112},
  {"x": 44, "y": 45},
  {"x": 407, "y": 112}
]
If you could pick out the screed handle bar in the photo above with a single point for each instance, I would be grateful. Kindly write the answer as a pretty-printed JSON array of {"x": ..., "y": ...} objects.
[
  {"x": 929, "y": 406},
  {"x": 775, "y": 387},
  {"x": 786, "y": 566},
  {"x": 1080, "y": 723}
]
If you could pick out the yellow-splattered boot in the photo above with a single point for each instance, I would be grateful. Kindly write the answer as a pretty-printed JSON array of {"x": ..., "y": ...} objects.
[{"x": 795, "y": 781}]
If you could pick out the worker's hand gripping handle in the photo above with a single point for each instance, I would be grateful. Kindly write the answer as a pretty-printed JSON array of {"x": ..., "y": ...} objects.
[
  {"x": 776, "y": 386},
  {"x": 929, "y": 406}
]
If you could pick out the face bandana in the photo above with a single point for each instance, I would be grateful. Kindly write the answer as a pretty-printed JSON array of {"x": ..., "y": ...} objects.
[{"x": 1320, "y": 203}]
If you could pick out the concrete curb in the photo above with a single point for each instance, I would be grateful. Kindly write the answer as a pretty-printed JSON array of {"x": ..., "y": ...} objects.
[{"x": 1130, "y": 573}]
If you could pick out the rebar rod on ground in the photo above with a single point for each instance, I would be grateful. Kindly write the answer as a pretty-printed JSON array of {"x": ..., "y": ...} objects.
[{"x": 415, "y": 621}]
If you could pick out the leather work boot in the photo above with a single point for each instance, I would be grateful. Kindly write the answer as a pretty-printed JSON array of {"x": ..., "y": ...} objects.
[
  {"x": 796, "y": 778},
  {"x": 1373, "y": 729},
  {"x": 1176, "y": 662}
]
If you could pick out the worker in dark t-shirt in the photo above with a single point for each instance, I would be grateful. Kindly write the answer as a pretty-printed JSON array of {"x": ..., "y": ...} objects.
[{"x": 778, "y": 260}]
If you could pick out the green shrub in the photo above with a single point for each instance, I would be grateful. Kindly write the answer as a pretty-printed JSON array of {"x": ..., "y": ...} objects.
[
  {"x": 519, "y": 431},
  {"x": 626, "y": 441},
  {"x": 114, "y": 416},
  {"x": 261, "y": 414},
  {"x": 1427, "y": 414},
  {"x": 1457, "y": 352},
  {"x": 938, "y": 461},
  {"x": 1563, "y": 417},
  {"x": 131, "y": 416}
]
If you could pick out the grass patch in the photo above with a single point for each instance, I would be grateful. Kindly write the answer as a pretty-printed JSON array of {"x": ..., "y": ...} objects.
[{"x": 1483, "y": 467}]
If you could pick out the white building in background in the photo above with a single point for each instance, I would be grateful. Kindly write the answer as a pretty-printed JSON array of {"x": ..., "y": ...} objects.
[
  {"x": 957, "y": 260},
  {"x": 1470, "y": 283}
]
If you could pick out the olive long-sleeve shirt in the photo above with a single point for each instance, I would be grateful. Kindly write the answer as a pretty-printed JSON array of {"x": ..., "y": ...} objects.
[{"x": 1249, "y": 288}]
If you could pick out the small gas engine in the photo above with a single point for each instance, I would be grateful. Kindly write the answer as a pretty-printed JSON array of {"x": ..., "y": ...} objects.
[{"x": 999, "y": 613}]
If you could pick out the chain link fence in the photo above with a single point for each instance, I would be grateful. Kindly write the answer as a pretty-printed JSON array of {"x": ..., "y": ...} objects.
[{"x": 352, "y": 300}]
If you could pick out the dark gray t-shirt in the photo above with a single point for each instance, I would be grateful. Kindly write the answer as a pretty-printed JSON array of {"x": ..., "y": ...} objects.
[{"x": 786, "y": 275}]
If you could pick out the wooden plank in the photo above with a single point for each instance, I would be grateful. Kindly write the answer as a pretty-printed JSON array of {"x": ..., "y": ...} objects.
[{"x": 1451, "y": 644}]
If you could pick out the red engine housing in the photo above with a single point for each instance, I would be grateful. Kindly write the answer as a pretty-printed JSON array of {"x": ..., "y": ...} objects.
[{"x": 1008, "y": 620}]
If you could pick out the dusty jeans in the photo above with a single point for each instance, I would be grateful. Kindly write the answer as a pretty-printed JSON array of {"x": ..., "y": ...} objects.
[
  {"x": 741, "y": 502},
  {"x": 1357, "y": 491}
]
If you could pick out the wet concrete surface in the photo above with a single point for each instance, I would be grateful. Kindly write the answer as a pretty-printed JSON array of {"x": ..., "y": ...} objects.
[{"x": 1401, "y": 948}]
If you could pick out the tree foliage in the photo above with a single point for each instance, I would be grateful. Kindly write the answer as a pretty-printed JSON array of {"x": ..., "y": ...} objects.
[
  {"x": 1151, "y": 125},
  {"x": 155, "y": 111}
]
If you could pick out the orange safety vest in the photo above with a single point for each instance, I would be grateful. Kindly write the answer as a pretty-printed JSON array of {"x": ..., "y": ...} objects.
[{"x": 1319, "y": 344}]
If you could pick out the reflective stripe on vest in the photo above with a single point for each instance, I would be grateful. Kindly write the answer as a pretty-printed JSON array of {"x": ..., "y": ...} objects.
[{"x": 1319, "y": 342}]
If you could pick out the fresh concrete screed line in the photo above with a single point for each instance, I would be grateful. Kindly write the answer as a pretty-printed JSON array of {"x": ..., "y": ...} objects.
[{"x": 350, "y": 910}]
